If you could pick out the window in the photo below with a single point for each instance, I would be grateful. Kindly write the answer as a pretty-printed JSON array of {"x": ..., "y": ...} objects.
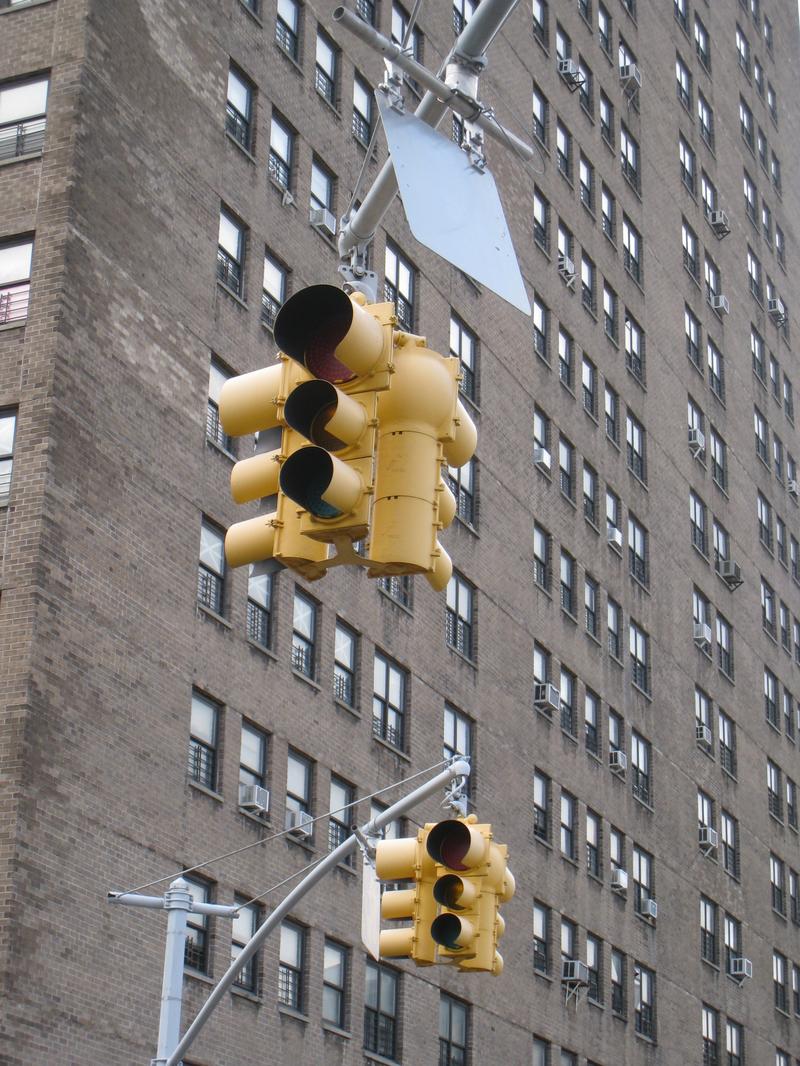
[
  {"x": 762, "y": 435},
  {"x": 681, "y": 11},
  {"x": 8, "y": 428},
  {"x": 411, "y": 42},
  {"x": 746, "y": 123},
  {"x": 273, "y": 292},
  {"x": 567, "y": 689},
  {"x": 291, "y": 966},
  {"x": 230, "y": 253},
  {"x": 616, "y": 842},
  {"x": 705, "y": 119},
  {"x": 23, "y": 107},
  {"x": 462, "y": 485},
  {"x": 688, "y": 165},
  {"x": 566, "y": 357},
  {"x": 618, "y": 991},
  {"x": 218, "y": 375},
  {"x": 691, "y": 258},
  {"x": 775, "y": 173},
  {"x": 245, "y": 923},
  {"x": 635, "y": 437},
  {"x": 563, "y": 43},
  {"x": 757, "y": 354},
  {"x": 791, "y": 802},
  {"x": 568, "y": 812},
  {"x": 281, "y": 153},
  {"x": 780, "y": 246},
  {"x": 464, "y": 345},
  {"x": 566, "y": 467},
  {"x": 453, "y": 1031},
  {"x": 644, "y": 990},
  {"x": 541, "y": 220},
  {"x": 299, "y": 771},
  {"x": 702, "y": 43},
  {"x": 761, "y": 148},
  {"x": 203, "y": 741},
  {"x": 239, "y": 108},
  {"x": 708, "y": 931},
  {"x": 399, "y": 286},
  {"x": 604, "y": 29},
  {"x": 754, "y": 275},
  {"x": 777, "y": 456},
  {"x": 589, "y": 386},
  {"x": 594, "y": 964},
  {"x": 607, "y": 122},
  {"x": 388, "y": 702},
  {"x": 794, "y": 897},
  {"x": 710, "y": 1025},
  {"x": 638, "y": 554},
  {"x": 457, "y": 736},
  {"x": 639, "y": 644},
  {"x": 541, "y": 557},
  {"x": 642, "y": 869},
  {"x": 727, "y": 744},
  {"x": 640, "y": 768},
  {"x": 774, "y": 790},
  {"x": 342, "y": 814},
  {"x": 766, "y": 222},
  {"x": 541, "y": 110},
  {"x": 590, "y": 491},
  {"x": 743, "y": 50},
  {"x": 322, "y": 186},
  {"x": 541, "y": 329},
  {"x": 586, "y": 91},
  {"x": 287, "y": 27},
  {"x": 563, "y": 150},
  {"x": 362, "y": 111},
  {"x": 764, "y": 513},
  {"x": 733, "y": 940},
  {"x": 716, "y": 370},
  {"x": 708, "y": 193},
  {"x": 634, "y": 347},
  {"x": 196, "y": 953},
  {"x": 541, "y": 937},
  {"x": 325, "y": 68},
  {"x": 586, "y": 183},
  {"x": 335, "y": 967},
  {"x": 569, "y": 939},
  {"x": 632, "y": 249},
  {"x": 568, "y": 572},
  {"x": 541, "y": 1052},
  {"x": 380, "y": 1010},
  {"x": 683, "y": 78},
  {"x": 590, "y": 601},
  {"x": 463, "y": 10},
  {"x": 588, "y": 284},
  {"x": 788, "y": 725},
  {"x": 211, "y": 569},
  {"x": 614, "y": 623},
  {"x": 611, "y": 405},
  {"x": 459, "y": 629},
  {"x": 729, "y": 838},
  {"x": 304, "y": 635},
  {"x": 629, "y": 157},
  {"x": 770, "y": 692},
  {"x": 780, "y": 992},
  {"x": 610, "y": 305},
  {"x": 721, "y": 543},
  {"x": 591, "y": 715},
  {"x": 252, "y": 759},
  {"x": 541, "y": 806},
  {"x": 719, "y": 459},
  {"x": 540, "y": 25},
  {"x": 608, "y": 213},
  {"x": 344, "y": 664}
]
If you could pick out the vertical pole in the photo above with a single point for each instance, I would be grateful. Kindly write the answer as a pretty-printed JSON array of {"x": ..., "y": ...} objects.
[{"x": 177, "y": 901}]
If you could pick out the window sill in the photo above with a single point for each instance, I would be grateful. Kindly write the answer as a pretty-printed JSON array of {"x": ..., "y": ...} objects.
[
  {"x": 289, "y": 59},
  {"x": 252, "y": 14},
  {"x": 596, "y": 878},
  {"x": 220, "y": 450},
  {"x": 637, "y": 581},
  {"x": 330, "y": 241},
  {"x": 464, "y": 524},
  {"x": 395, "y": 602},
  {"x": 198, "y": 975},
  {"x": 262, "y": 650},
  {"x": 261, "y": 820},
  {"x": 218, "y": 618},
  {"x": 643, "y": 803},
  {"x": 308, "y": 680},
  {"x": 543, "y": 976},
  {"x": 22, "y": 321},
  {"x": 643, "y": 692},
  {"x": 247, "y": 995},
  {"x": 334, "y": 1030},
  {"x": 245, "y": 151},
  {"x": 373, "y": 1056},
  {"x": 290, "y": 1012},
  {"x": 305, "y": 844},
  {"x": 595, "y": 640},
  {"x": 20, "y": 158},
  {"x": 205, "y": 791},
  {"x": 728, "y": 677},
  {"x": 347, "y": 707},
  {"x": 569, "y": 859},
  {"x": 464, "y": 658},
  {"x": 282, "y": 191},
  {"x": 329, "y": 104},
  {"x": 390, "y": 747},
  {"x": 233, "y": 295},
  {"x": 569, "y": 736}
]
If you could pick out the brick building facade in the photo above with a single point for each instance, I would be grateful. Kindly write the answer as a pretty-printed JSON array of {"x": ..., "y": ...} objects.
[{"x": 157, "y": 163}]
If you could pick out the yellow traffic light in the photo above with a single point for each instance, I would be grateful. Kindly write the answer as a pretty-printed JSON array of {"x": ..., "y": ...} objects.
[
  {"x": 472, "y": 880},
  {"x": 421, "y": 424},
  {"x": 407, "y": 859}
]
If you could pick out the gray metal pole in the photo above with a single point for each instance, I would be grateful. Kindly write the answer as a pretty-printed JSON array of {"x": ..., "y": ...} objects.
[
  {"x": 458, "y": 768},
  {"x": 473, "y": 41},
  {"x": 177, "y": 901},
  {"x": 440, "y": 89}
]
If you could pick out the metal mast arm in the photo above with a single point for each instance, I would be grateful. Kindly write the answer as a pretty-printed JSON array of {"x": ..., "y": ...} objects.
[{"x": 468, "y": 51}]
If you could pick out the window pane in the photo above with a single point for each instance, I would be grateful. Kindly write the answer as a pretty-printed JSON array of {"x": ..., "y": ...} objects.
[
  {"x": 15, "y": 262},
  {"x": 23, "y": 100}
]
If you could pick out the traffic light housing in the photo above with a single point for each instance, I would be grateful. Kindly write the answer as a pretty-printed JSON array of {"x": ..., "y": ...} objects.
[
  {"x": 472, "y": 881},
  {"x": 407, "y": 859}
]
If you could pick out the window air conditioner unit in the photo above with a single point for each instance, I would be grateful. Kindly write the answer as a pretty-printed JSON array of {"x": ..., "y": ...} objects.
[
  {"x": 707, "y": 837},
  {"x": 648, "y": 908},
  {"x": 568, "y": 69},
  {"x": 619, "y": 881},
  {"x": 703, "y": 735},
  {"x": 614, "y": 537},
  {"x": 574, "y": 972},
  {"x": 541, "y": 459},
  {"x": 546, "y": 697},
  {"x": 719, "y": 224},
  {"x": 719, "y": 303},
  {"x": 323, "y": 220},
  {"x": 697, "y": 441},
  {"x": 630, "y": 78},
  {"x": 702, "y": 635},
  {"x": 776, "y": 309},
  {"x": 792, "y": 486},
  {"x": 730, "y": 572},
  {"x": 299, "y": 823},
  {"x": 617, "y": 761},
  {"x": 741, "y": 968},
  {"x": 566, "y": 268},
  {"x": 254, "y": 798}
]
